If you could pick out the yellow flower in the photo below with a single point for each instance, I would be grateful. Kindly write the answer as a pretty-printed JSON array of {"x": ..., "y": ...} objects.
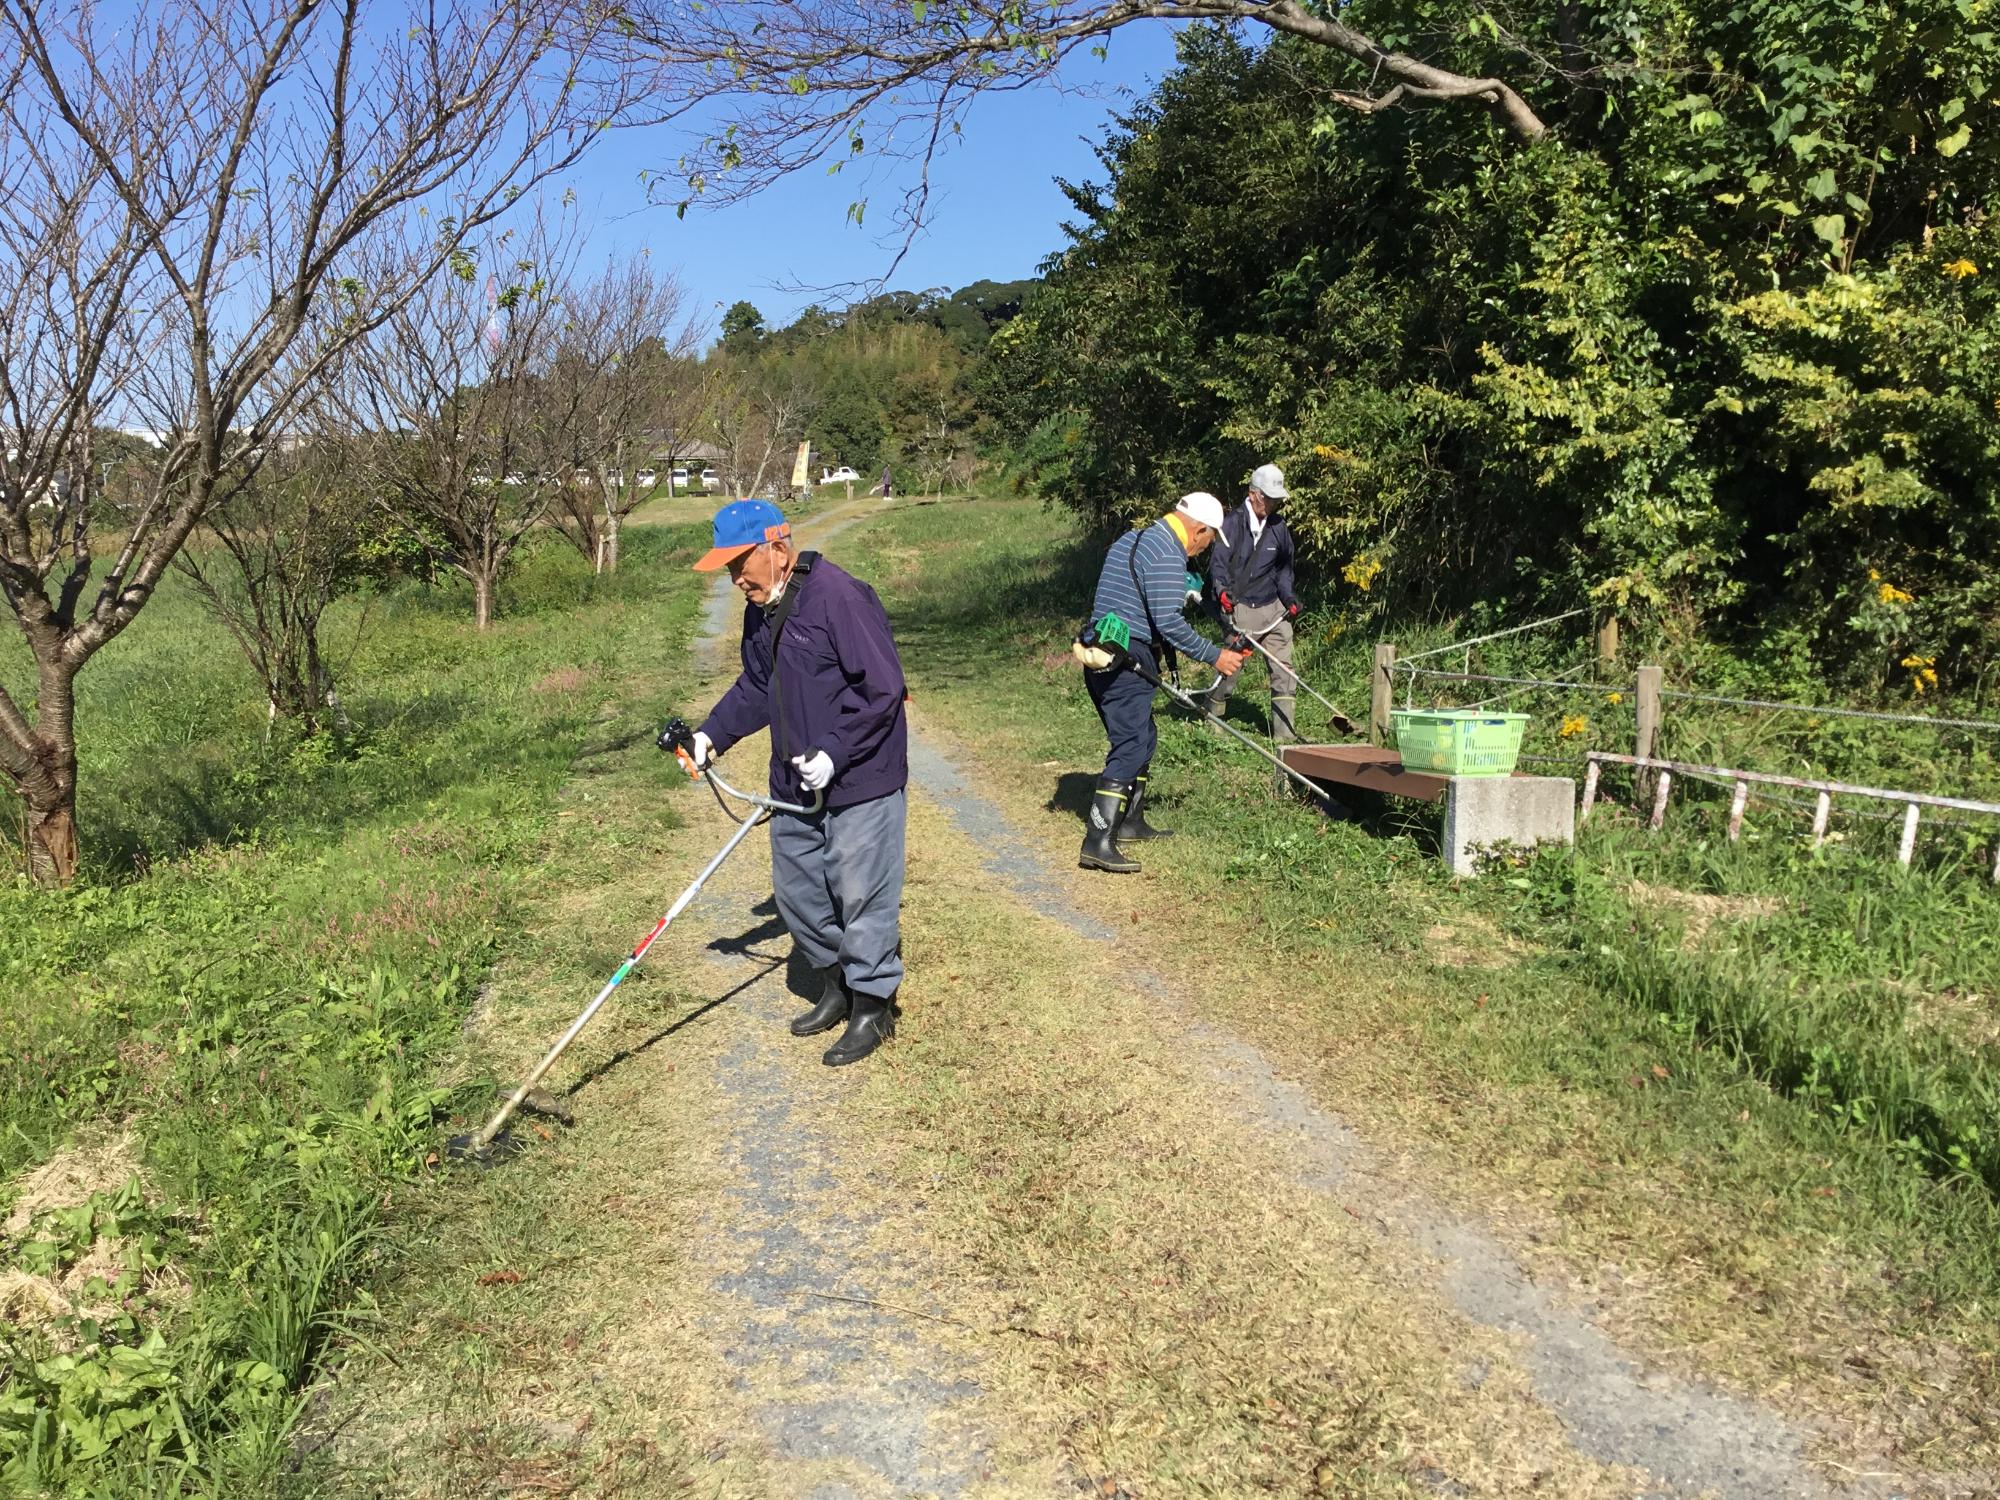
[
  {"x": 1614, "y": 699},
  {"x": 1923, "y": 672},
  {"x": 1873, "y": 575},
  {"x": 1573, "y": 725},
  {"x": 1888, "y": 593},
  {"x": 1361, "y": 571},
  {"x": 1960, "y": 268},
  {"x": 1324, "y": 450}
]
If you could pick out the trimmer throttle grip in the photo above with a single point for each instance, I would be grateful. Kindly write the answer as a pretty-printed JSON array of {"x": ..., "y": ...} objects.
[{"x": 678, "y": 740}]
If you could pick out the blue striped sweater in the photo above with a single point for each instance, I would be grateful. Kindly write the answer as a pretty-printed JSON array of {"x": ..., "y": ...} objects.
[{"x": 1162, "y": 570}]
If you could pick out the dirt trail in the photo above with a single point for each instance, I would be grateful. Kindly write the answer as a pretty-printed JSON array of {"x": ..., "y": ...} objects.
[{"x": 1689, "y": 1438}]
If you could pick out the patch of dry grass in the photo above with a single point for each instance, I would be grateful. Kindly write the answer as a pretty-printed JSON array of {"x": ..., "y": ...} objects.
[
  {"x": 1728, "y": 1266},
  {"x": 1156, "y": 1295}
]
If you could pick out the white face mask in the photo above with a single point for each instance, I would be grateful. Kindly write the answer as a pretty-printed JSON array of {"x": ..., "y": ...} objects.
[{"x": 777, "y": 591}]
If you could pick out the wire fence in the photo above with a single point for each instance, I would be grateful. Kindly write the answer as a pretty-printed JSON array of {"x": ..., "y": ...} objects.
[{"x": 1649, "y": 722}]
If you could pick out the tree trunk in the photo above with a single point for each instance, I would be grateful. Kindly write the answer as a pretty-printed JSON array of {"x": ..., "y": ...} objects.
[
  {"x": 482, "y": 599},
  {"x": 612, "y": 521},
  {"x": 52, "y": 854},
  {"x": 46, "y": 779}
]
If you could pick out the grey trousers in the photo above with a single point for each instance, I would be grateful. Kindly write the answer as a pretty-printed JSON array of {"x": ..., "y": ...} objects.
[
  {"x": 1273, "y": 631},
  {"x": 838, "y": 878}
]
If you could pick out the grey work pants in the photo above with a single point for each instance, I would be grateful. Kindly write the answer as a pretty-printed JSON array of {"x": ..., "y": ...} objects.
[
  {"x": 838, "y": 878},
  {"x": 1273, "y": 632}
]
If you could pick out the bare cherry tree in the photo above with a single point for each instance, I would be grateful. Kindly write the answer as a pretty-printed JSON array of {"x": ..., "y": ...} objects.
[
  {"x": 178, "y": 183},
  {"x": 626, "y": 367},
  {"x": 798, "y": 82},
  {"x": 467, "y": 436}
]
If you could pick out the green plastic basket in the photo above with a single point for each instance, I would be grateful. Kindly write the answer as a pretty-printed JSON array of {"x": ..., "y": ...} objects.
[{"x": 1459, "y": 741}]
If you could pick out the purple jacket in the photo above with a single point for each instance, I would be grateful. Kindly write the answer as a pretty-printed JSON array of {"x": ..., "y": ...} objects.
[{"x": 839, "y": 689}]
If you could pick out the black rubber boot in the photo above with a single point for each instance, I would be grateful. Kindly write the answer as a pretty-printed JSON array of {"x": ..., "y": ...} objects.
[
  {"x": 831, "y": 1010},
  {"x": 1100, "y": 834},
  {"x": 871, "y": 1023},
  {"x": 1134, "y": 828}
]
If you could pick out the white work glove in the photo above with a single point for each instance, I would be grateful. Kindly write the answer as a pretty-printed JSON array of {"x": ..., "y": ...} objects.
[
  {"x": 704, "y": 750},
  {"x": 815, "y": 770}
]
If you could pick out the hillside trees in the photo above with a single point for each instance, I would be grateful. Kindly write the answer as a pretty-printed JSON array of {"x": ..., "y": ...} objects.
[
  {"x": 1721, "y": 342},
  {"x": 179, "y": 185}
]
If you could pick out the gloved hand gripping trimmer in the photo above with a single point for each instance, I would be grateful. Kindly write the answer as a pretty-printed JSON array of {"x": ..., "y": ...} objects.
[{"x": 491, "y": 1142}]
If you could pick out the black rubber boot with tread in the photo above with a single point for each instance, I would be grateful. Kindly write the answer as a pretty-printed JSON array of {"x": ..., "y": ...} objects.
[
  {"x": 870, "y": 1023},
  {"x": 832, "y": 1009},
  {"x": 1100, "y": 836},
  {"x": 1133, "y": 827}
]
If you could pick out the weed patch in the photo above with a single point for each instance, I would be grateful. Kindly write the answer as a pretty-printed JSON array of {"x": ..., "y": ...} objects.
[{"x": 262, "y": 993}]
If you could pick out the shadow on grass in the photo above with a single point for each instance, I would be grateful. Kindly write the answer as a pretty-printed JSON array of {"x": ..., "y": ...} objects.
[{"x": 625, "y": 1054}]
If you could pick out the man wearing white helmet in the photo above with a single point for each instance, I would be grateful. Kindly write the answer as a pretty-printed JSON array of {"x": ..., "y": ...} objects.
[
  {"x": 1251, "y": 572},
  {"x": 1143, "y": 582}
]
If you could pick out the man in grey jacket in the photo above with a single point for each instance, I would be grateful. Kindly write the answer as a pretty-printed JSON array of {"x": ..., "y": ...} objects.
[{"x": 1251, "y": 572}]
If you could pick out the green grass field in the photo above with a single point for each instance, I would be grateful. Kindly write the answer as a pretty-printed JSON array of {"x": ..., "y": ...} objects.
[
  {"x": 1758, "y": 1076},
  {"x": 244, "y": 1030},
  {"x": 1742, "y": 1092}
]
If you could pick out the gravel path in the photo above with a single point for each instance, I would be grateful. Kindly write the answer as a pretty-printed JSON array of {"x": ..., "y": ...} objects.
[{"x": 871, "y": 1406}]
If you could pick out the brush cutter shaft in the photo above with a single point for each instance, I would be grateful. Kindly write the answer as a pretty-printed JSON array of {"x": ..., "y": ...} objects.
[
  {"x": 771, "y": 804},
  {"x": 1340, "y": 719},
  {"x": 506, "y": 1111},
  {"x": 1199, "y": 703}
]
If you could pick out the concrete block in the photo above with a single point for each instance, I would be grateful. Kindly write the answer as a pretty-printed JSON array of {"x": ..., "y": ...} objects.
[{"x": 1481, "y": 811}]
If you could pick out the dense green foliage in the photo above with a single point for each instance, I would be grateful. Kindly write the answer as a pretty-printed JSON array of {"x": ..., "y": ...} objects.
[
  {"x": 273, "y": 1014},
  {"x": 1725, "y": 343}
]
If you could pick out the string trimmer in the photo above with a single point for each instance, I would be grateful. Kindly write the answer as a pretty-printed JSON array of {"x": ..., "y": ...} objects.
[
  {"x": 491, "y": 1142},
  {"x": 1107, "y": 643},
  {"x": 1238, "y": 639}
]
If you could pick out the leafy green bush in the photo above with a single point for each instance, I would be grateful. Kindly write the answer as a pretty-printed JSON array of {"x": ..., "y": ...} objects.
[{"x": 1722, "y": 345}]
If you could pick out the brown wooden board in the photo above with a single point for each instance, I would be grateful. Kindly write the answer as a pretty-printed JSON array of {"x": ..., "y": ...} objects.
[{"x": 1369, "y": 766}]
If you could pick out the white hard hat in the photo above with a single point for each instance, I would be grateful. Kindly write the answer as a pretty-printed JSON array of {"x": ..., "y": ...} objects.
[
  {"x": 1270, "y": 479},
  {"x": 1202, "y": 507}
]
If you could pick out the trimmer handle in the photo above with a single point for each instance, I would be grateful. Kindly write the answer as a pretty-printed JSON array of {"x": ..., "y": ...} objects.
[{"x": 678, "y": 740}]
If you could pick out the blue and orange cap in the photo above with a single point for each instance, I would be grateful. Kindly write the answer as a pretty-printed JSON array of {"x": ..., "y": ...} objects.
[{"x": 739, "y": 526}]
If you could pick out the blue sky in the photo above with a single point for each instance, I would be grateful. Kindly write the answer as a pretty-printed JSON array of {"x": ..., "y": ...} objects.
[{"x": 997, "y": 211}]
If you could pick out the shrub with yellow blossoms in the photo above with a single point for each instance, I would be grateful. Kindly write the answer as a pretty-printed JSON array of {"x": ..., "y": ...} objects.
[{"x": 1362, "y": 571}]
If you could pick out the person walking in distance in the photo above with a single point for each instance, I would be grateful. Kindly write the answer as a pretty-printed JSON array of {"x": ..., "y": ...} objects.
[
  {"x": 1143, "y": 582},
  {"x": 820, "y": 671},
  {"x": 1251, "y": 574}
]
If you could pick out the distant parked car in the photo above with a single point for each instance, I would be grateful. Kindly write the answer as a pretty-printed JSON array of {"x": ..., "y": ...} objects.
[
  {"x": 710, "y": 480},
  {"x": 646, "y": 478},
  {"x": 518, "y": 478},
  {"x": 582, "y": 476},
  {"x": 677, "y": 480},
  {"x": 841, "y": 475}
]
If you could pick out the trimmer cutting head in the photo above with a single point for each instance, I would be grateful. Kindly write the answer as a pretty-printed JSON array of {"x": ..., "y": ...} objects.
[{"x": 467, "y": 1150}]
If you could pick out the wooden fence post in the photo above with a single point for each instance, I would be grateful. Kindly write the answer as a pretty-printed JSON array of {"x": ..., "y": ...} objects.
[
  {"x": 1607, "y": 639},
  {"x": 1381, "y": 693},
  {"x": 1647, "y": 704}
]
